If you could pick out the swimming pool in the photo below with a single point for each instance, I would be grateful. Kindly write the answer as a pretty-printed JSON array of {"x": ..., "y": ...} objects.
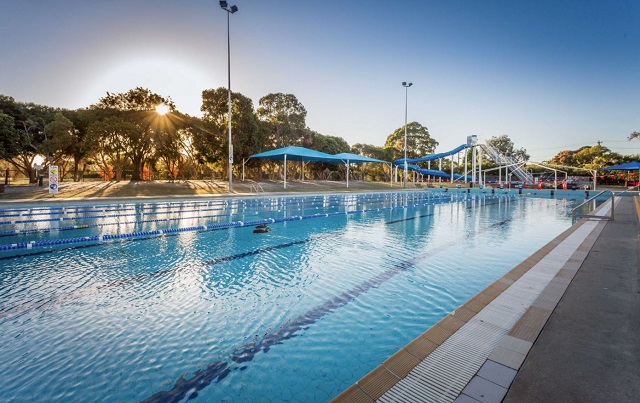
[{"x": 169, "y": 300}]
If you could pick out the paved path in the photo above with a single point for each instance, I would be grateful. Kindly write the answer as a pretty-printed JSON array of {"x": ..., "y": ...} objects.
[{"x": 589, "y": 349}]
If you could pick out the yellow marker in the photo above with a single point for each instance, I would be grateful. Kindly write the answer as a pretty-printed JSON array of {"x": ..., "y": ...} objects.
[
  {"x": 637, "y": 203},
  {"x": 635, "y": 199}
]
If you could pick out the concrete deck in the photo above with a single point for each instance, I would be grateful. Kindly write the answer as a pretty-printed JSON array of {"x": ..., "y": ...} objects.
[
  {"x": 589, "y": 349},
  {"x": 562, "y": 326}
]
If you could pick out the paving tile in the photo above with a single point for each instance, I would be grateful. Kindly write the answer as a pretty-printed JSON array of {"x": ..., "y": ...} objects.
[
  {"x": 438, "y": 334},
  {"x": 421, "y": 347},
  {"x": 452, "y": 323},
  {"x": 565, "y": 273},
  {"x": 463, "y": 314},
  {"x": 401, "y": 363},
  {"x": 377, "y": 382},
  {"x": 535, "y": 317},
  {"x": 507, "y": 358},
  {"x": 505, "y": 281},
  {"x": 497, "y": 373},
  {"x": 486, "y": 296},
  {"x": 524, "y": 332},
  {"x": 353, "y": 395},
  {"x": 484, "y": 391},
  {"x": 516, "y": 344},
  {"x": 474, "y": 305},
  {"x": 465, "y": 399},
  {"x": 546, "y": 302}
]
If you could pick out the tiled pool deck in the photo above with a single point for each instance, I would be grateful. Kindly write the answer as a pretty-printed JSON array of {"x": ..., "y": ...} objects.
[{"x": 563, "y": 325}]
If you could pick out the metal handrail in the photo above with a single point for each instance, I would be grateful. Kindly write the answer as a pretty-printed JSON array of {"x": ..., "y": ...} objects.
[{"x": 613, "y": 203}]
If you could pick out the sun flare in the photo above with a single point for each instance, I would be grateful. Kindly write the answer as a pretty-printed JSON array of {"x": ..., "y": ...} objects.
[{"x": 162, "y": 109}]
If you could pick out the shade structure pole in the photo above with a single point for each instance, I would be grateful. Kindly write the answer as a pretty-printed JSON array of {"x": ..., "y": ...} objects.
[
  {"x": 347, "y": 173},
  {"x": 285, "y": 171}
]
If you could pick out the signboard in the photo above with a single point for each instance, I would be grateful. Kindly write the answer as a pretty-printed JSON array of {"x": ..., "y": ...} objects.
[{"x": 53, "y": 179}]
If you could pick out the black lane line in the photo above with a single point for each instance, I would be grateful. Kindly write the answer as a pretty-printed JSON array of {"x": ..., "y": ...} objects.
[
  {"x": 218, "y": 370},
  {"x": 27, "y": 306},
  {"x": 409, "y": 219}
]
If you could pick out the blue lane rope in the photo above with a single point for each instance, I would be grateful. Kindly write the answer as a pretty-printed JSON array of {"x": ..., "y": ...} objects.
[
  {"x": 218, "y": 226},
  {"x": 376, "y": 198}
]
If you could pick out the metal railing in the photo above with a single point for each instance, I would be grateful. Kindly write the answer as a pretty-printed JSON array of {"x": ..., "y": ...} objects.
[
  {"x": 501, "y": 159},
  {"x": 257, "y": 188},
  {"x": 575, "y": 216}
]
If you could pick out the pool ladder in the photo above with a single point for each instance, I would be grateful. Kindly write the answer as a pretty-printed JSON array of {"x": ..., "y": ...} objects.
[
  {"x": 257, "y": 188},
  {"x": 575, "y": 216}
]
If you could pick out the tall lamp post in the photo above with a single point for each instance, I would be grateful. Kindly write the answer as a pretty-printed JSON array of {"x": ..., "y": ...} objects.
[
  {"x": 230, "y": 10},
  {"x": 406, "y": 101}
]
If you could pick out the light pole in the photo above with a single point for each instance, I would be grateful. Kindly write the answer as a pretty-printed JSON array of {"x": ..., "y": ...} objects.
[
  {"x": 406, "y": 101},
  {"x": 229, "y": 10}
]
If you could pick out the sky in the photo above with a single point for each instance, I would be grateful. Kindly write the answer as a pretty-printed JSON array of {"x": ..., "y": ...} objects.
[{"x": 552, "y": 75}]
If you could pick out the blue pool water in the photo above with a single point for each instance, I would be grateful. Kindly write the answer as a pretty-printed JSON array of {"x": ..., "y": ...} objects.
[{"x": 170, "y": 300}]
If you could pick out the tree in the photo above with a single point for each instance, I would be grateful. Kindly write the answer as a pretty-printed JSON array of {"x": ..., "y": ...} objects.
[
  {"x": 589, "y": 157},
  {"x": 248, "y": 136},
  {"x": 326, "y": 144},
  {"x": 9, "y": 141},
  {"x": 564, "y": 158},
  {"x": 375, "y": 172},
  {"x": 79, "y": 150},
  {"x": 137, "y": 107},
  {"x": 27, "y": 134},
  {"x": 107, "y": 138},
  {"x": 595, "y": 157},
  {"x": 634, "y": 135},
  {"x": 59, "y": 141},
  {"x": 506, "y": 147},
  {"x": 419, "y": 142},
  {"x": 285, "y": 117}
]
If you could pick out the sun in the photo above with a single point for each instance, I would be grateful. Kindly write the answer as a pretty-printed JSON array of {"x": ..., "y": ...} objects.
[{"x": 162, "y": 109}]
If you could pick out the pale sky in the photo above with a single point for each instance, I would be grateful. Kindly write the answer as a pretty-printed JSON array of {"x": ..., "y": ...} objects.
[{"x": 553, "y": 75}]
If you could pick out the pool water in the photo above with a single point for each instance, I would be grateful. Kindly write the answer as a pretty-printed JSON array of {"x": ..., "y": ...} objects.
[{"x": 177, "y": 300}]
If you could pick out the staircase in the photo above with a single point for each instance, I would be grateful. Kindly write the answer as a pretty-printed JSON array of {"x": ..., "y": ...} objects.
[{"x": 518, "y": 170}]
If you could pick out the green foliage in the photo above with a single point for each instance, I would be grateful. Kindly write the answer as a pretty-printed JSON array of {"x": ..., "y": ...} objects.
[
  {"x": 137, "y": 99},
  {"x": 589, "y": 157},
  {"x": 326, "y": 144},
  {"x": 372, "y": 171},
  {"x": 285, "y": 118},
  {"x": 59, "y": 138},
  {"x": 137, "y": 110},
  {"x": 27, "y": 134},
  {"x": 634, "y": 135},
  {"x": 248, "y": 135},
  {"x": 506, "y": 147},
  {"x": 419, "y": 142}
]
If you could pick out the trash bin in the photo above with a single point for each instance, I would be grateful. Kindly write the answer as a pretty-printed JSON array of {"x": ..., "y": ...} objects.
[
  {"x": 40, "y": 180},
  {"x": 1, "y": 187}
]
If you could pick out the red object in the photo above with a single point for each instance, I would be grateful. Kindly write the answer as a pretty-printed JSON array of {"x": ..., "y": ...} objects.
[
  {"x": 539, "y": 185},
  {"x": 564, "y": 185}
]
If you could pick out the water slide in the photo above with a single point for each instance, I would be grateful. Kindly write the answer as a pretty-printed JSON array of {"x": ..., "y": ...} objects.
[{"x": 433, "y": 172}]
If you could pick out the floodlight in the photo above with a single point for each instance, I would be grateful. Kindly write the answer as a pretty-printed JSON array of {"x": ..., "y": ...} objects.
[{"x": 223, "y": 4}]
